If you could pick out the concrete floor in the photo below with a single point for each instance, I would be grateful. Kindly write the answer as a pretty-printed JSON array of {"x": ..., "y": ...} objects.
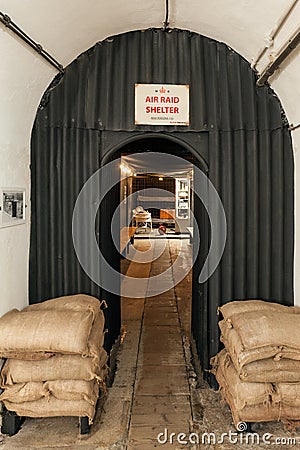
[{"x": 155, "y": 386}]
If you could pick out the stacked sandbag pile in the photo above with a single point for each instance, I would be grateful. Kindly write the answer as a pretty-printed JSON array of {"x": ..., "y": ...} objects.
[
  {"x": 258, "y": 371},
  {"x": 55, "y": 363}
]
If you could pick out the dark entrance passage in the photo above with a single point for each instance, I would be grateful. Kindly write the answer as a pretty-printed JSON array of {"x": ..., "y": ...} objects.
[{"x": 139, "y": 156}]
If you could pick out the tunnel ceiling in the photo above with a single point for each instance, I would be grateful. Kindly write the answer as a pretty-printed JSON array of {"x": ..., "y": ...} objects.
[{"x": 66, "y": 29}]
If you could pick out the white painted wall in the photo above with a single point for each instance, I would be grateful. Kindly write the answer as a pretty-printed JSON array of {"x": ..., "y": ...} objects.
[
  {"x": 22, "y": 79},
  {"x": 69, "y": 27},
  {"x": 286, "y": 83}
]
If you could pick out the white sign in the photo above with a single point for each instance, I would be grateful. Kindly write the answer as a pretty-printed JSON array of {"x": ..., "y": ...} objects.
[
  {"x": 12, "y": 206},
  {"x": 162, "y": 104}
]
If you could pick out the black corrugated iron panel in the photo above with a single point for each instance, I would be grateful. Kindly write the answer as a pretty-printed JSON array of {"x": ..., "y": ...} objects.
[
  {"x": 97, "y": 90},
  {"x": 62, "y": 160},
  {"x": 247, "y": 148}
]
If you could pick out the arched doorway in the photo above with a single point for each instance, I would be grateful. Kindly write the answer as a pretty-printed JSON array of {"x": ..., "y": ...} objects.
[
  {"x": 140, "y": 153},
  {"x": 239, "y": 129}
]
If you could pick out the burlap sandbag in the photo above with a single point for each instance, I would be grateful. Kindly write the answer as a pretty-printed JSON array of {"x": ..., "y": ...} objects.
[
  {"x": 260, "y": 412},
  {"x": 269, "y": 328},
  {"x": 43, "y": 331},
  {"x": 270, "y": 371},
  {"x": 266, "y": 413},
  {"x": 27, "y": 356},
  {"x": 59, "y": 367},
  {"x": 245, "y": 306},
  {"x": 287, "y": 394},
  {"x": 234, "y": 347},
  {"x": 78, "y": 302},
  {"x": 96, "y": 338},
  {"x": 265, "y": 367},
  {"x": 243, "y": 393},
  {"x": 52, "y": 407},
  {"x": 73, "y": 390},
  {"x": 24, "y": 392},
  {"x": 259, "y": 335},
  {"x": 60, "y": 389}
]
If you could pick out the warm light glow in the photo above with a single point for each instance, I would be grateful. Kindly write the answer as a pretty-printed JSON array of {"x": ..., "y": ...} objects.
[
  {"x": 125, "y": 169},
  {"x": 161, "y": 179}
]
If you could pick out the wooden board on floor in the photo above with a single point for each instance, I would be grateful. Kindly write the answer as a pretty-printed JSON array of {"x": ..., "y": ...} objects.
[{"x": 126, "y": 234}]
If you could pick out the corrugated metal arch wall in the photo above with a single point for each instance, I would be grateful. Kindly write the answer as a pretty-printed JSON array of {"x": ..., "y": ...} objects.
[{"x": 249, "y": 154}]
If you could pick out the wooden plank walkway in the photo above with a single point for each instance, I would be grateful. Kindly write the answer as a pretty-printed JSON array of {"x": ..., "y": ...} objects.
[{"x": 161, "y": 397}]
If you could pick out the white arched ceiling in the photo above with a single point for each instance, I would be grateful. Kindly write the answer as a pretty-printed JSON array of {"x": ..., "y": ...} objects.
[{"x": 67, "y": 28}]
